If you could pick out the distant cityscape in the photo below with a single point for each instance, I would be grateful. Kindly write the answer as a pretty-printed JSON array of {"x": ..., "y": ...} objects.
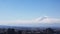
[{"x": 25, "y": 30}]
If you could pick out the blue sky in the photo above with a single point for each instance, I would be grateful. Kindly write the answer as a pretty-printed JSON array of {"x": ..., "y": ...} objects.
[{"x": 28, "y": 9}]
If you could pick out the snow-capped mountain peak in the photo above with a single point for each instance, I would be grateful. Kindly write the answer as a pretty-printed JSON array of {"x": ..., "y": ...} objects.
[{"x": 46, "y": 19}]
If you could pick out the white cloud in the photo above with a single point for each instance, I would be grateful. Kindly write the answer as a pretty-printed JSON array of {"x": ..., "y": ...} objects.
[{"x": 44, "y": 19}]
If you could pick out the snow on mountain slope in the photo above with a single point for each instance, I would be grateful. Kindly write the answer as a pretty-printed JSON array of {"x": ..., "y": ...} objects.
[{"x": 48, "y": 20}]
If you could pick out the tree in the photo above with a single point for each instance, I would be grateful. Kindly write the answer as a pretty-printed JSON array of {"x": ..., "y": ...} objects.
[
  {"x": 49, "y": 31},
  {"x": 10, "y": 31}
]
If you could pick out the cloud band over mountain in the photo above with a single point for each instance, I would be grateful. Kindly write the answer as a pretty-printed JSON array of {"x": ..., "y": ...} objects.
[{"x": 40, "y": 20}]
